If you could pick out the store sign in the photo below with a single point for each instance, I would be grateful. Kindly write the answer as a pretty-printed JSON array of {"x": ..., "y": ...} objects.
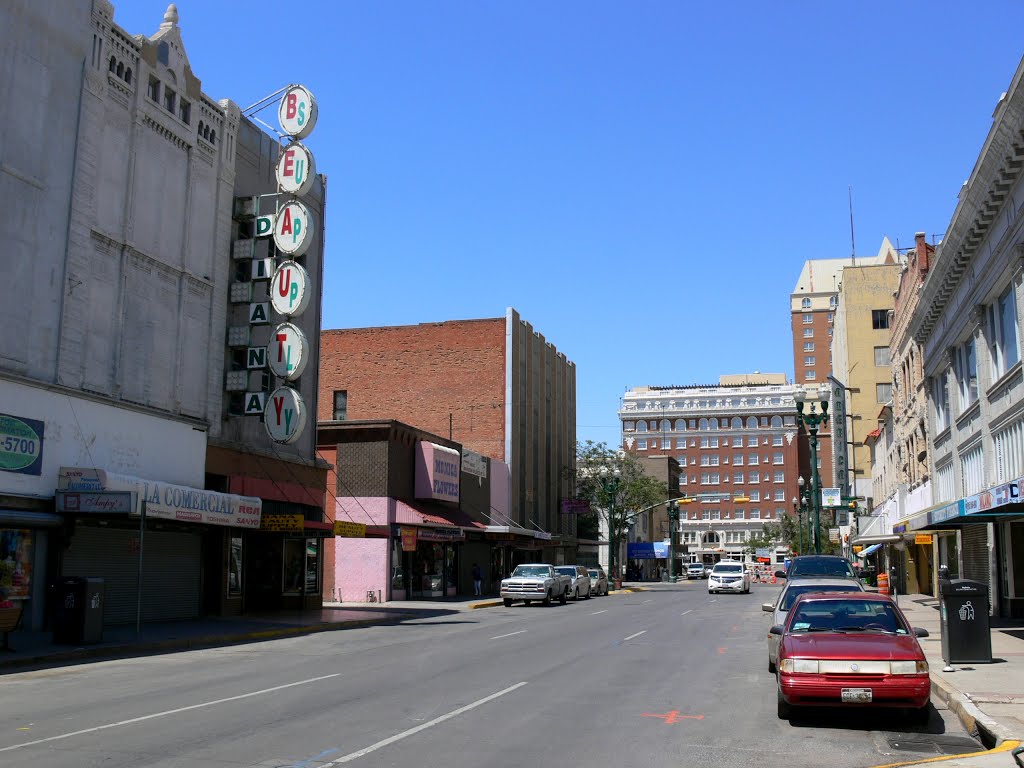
[
  {"x": 831, "y": 497},
  {"x": 991, "y": 499},
  {"x": 297, "y": 112},
  {"x": 21, "y": 445},
  {"x": 923, "y": 538},
  {"x": 349, "y": 530},
  {"x": 295, "y": 170},
  {"x": 293, "y": 229},
  {"x": 290, "y": 289},
  {"x": 288, "y": 351},
  {"x": 408, "y": 538},
  {"x": 474, "y": 464},
  {"x": 437, "y": 472},
  {"x": 575, "y": 506},
  {"x": 96, "y": 502},
  {"x": 440, "y": 534},
  {"x": 286, "y": 523},
  {"x": 285, "y": 415}
]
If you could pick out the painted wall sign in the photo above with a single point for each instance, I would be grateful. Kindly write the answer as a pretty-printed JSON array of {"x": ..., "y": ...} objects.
[
  {"x": 21, "y": 445},
  {"x": 350, "y": 530},
  {"x": 295, "y": 169},
  {"x": 288, "y": 351},
  {"x": 285, "y": 415},
  {"x": 290, "y": 289},
  {"x": 293, "y": 229},
  {"x": 437, "y": 472},
  {"x": 297, "y": 112}
]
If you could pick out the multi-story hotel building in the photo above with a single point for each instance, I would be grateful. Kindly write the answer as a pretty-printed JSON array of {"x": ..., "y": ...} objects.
[{"x": 736, "y": 444}]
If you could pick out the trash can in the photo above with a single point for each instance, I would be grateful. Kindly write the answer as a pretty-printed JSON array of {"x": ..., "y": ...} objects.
[
  {"x": 78, "y": 611},
  {"x": 966, "y": 635}
]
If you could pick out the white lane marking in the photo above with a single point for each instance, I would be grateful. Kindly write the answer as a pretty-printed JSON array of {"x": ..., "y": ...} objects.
[
  {"x": 509, "y": 634},
  {"x": 597, "y": 612},
  {"x": 636, "y": 635},
  {"x": 436, "y": 721},
  {"x": 645, "y": 602},
  {"x": 686, "y": 612},
  {"x": 168, "y": 712}
]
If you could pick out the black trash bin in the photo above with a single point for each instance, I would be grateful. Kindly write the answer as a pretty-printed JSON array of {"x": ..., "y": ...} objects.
[
  {"x": 78, "y": 610},
  {"x": 966, "y": 635}
]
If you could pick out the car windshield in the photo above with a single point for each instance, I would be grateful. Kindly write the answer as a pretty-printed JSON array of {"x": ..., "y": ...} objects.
[
  {"x": 791, "y": 594},
  {"x": 846, "y": 615},
  {"x": 697, "y": 567},
  {"x": 820, "y": 566},
  {"x": 728, "y": 569},
  {"x": 594, "y": 574},
  {"x": 525, "y": 571},
  {"x": 568, "y": 571}
]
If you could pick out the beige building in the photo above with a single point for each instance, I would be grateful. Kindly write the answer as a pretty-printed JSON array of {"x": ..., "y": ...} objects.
[{"x": 860, "y": 352}]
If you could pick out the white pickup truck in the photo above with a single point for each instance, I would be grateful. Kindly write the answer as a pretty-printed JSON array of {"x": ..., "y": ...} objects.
[{"x": 535, "y": 581}]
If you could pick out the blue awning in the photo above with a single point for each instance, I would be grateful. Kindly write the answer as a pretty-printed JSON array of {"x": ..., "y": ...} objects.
[
  {"x": 868, "y": 550},
  {"x": 647, "y": 550}
]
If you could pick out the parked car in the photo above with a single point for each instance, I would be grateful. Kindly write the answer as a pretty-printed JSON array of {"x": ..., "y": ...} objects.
[
  {"x": 580, "y": 577},
  {"x": 696, "y": 571},
  {"x": 728, "y": 576},
  {"x": 855, "y": 650},
  {"x": 818, "y": 566},
  {"x": 790, "y": 592},
  {"x": 535, "y": 581},
  {"x": 598, "y": 581}
]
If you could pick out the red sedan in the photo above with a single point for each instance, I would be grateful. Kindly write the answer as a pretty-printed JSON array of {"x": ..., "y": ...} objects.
[{"x": 850, "y": 649}]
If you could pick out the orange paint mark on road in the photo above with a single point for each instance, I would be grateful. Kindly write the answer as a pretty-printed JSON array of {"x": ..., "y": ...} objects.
[
  {"x": 722, "y": 650},
  {"x": 673, "y": 717}
]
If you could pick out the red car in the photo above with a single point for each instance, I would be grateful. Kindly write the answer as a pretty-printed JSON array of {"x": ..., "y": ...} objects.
[{"x": 850, "y": 649}]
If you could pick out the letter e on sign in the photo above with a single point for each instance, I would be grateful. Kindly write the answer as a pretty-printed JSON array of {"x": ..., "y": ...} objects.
[{"x": 295, "y": 170}]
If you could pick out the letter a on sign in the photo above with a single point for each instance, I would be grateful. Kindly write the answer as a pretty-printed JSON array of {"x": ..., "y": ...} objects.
[
  {"x": 259, "y": 314},
  {"x": 255, "y": 402}
]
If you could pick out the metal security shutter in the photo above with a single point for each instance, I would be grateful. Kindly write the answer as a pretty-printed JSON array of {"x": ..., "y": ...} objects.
[
  {"x": 974, "y": 541},
  {"x": 172, "y": 575}
]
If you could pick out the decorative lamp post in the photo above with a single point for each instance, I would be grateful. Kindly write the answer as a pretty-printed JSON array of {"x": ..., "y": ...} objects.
[
  {"x": 673, "y": 523},
  {"x": 813, "y": 419},
  {"x": 610, "y": 485},
  {"x": 798, "y": 508}
]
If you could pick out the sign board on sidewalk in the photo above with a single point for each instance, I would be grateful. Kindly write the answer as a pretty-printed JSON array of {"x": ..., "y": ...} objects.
[{"x": 831, "y": 497}]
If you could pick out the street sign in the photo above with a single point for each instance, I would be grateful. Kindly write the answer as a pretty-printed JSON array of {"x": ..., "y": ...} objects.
[
  {"x": 831, "y": 497},
  {"x": 833, "y": 535}
]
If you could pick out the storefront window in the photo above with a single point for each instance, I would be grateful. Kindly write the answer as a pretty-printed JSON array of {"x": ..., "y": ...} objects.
[
  {"x": 312, "y": 566},
  {"x": 301, "y": 564},
  {"x": 15, "y": 562},
  {"x": 397, "y": 571},
  {"x": 949, "y": 553},
  {"x": 235, "y": 566}
]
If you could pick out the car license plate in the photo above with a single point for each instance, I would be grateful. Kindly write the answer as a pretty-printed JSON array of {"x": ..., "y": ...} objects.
[{"x": 856, "y": 695}]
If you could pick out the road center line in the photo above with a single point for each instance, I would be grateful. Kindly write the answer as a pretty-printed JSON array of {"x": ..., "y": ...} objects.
[
  {"x": 509, "y": 634},
  {"x": 645, "y": 602},
  {"x": 686, "y": 612},
  {"x": 422, "y": 727},
  {"x": 636, "y": 635},
  {"x": 597, "y": 612},
  {"x": 168, "y": 712}
]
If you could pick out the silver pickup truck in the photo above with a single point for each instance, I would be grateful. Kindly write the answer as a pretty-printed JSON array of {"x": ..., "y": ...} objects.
[{"x": 535, "y": 581}]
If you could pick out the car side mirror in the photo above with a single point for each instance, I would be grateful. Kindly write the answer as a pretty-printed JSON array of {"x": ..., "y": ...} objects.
[
  {"x": 767, "y": 607},
  {"x": 775, "y": 630},
  {"x": 920, "y": 632},
  {"x": 780, "y": 574}
]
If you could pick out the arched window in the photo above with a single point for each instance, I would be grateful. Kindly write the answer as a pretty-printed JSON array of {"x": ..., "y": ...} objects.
[
  {"x": 128, "y": 75},
  {"x": 703, "y": 425},
  {"x": 200, "y": 127},
  {"x": 710, "y": 538},
  {"x": 751, "y": 422},
  {"x": 737, "y": 422},
  {"x": 666, "y": 425},
  {"x": 776, "y": 421},
  {"x": 806, "y": 304},
  {"x": 713, "y": 424},
  {"x": 120, "y": 69},
  {"x": 641, "y": 426},
  {"x": 680, "y": 425},
  {"x": 832, "y": 302},
  {"x": 113, "y": 64},
  {"x": 213, "y": 137}
]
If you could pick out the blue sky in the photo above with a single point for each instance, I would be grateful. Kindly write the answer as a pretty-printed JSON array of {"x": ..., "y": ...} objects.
[{"x": 641, "y": 180}]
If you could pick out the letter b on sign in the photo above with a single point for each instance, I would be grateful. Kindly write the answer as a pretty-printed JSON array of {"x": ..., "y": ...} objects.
[{"x": 297, "y": 111}]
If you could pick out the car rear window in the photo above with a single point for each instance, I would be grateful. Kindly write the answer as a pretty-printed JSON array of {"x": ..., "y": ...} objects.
[
  {"x": 846, "y": 615},
  {"x": 569, "y": 571},
  {"x": 594, "y": 574},
  {"x": 728, "y": 569},
  {"x": 825, "y": 566},
  {"x": 796, "y": 590}
]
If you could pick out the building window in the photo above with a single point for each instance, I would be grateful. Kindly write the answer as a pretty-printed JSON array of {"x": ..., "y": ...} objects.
[
  {"x": 780, "y": 476},
  {"x": 340, "y": 404},
  {"x": 965, "y": 366},
  {"x": 716, "y": 514},
  {"x": 752, "y": 459},
  {"x": 705, "y": 514},
  {"x": 808, "y": 333},
  {"x": 806, "y": 303},
  {"x": 831, "y": 318},
  {"x": 777, "y": 439},
  {"x": 715, "y": 478},
  {"x": 120, "y": 70},
  {"x": 1009, "y": 445},
  {"x": 777, "y": 457},
  {"x": 779, "y": 494},
  {"x": 654, "y": 444},
  {"x": 641, "y": 445},
  {"x": 112, "y": 66},
  {"x": 737, "y": 478},
  {"x": 832, "y": 301},
  {"x": 754, "y": 477},
  {"x": 154, "y": 89},
  {"x": 808, "y": 319},
  {"x": 972, "y": 470},
  {"x": 705, "y": 478},
  {"x": 754, "y": 514},
  {"x": 944, "y": 483},
  {"x": 666, "y": 425},
  {"x": 790, "y": 421},
  {"x": 809, "y": 361},
  {"x": 810, "y": 375},
  {"x": 808, "y": 346},
  {"x": 882, "y": 357},
  {"x": 879, "y": 319},
  {"x": 128, "y": 75},
  {"x": 641, "y": 426},
  {"x": 737, "y": 460},
  {"x": 170, "y": 100},
  {"x": 1002, "y": 333},
  {"x": 883, "y": 392},
  {"x": 185, "y": 111},
  {"x": 681, "y": 442},
  {"x": 300, "y": 566},
  {"x": 940, "y": 399},
  {"x": 705, "y": 460}
]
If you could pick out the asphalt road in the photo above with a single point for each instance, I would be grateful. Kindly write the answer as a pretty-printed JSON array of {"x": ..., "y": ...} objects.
[{"x": 667, "y": 677}]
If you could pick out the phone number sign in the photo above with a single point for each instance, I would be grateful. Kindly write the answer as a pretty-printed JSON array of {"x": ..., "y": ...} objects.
[{"x": 21, "y": 445}]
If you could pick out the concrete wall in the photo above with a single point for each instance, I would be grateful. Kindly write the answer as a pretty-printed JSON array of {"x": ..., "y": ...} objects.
[{"x": 361, "y": 566}]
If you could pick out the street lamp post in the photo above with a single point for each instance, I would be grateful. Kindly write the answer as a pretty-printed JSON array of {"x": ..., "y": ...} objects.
[
  {"x": 673, "y": 520},
  {"x": 610, "y": 485},
  {"x": 813, "y": 419},
  {"x": 798, "y": 508}
]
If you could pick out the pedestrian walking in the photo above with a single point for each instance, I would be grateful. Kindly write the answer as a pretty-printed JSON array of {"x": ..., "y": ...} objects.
[{"x": 478, "y": 580}]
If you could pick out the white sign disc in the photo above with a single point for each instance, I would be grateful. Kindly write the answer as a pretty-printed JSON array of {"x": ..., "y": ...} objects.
[
  {"x": 285, "y": 415},
  {"x": 295, "y": 169},
  {"x": 293, "y": 229},
  {"x": 288, "y": 351},
  {"x": 290, "y": 289},
  {"x": 297, "y": 111}
]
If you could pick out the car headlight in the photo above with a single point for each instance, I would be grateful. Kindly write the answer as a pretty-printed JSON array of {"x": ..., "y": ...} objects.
[
  {"x": 801, "y": 666},
  {"x": 908, "y": 667}
]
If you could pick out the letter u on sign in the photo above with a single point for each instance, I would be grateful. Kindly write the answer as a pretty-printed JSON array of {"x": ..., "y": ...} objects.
[{"x": 290, "y": 289}]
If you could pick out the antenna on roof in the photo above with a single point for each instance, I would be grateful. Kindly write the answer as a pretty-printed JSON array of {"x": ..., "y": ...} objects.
[{"x": 853, "y": 245}]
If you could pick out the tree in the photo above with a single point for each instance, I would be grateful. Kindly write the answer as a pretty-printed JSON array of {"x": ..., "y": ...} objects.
[{"x": 595, "y": 465}]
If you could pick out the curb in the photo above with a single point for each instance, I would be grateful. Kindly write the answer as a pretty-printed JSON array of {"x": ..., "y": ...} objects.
[
  {"x": 971, "y": 716},
  {"x": 1006, "y": 746},
  {"x": 485, "y": 604},
  {"x": 122, "y": 650}
]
